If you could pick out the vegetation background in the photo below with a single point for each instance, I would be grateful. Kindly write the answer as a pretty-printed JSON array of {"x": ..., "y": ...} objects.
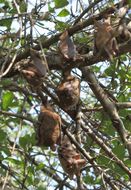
[{"x": 105, "y": 96}]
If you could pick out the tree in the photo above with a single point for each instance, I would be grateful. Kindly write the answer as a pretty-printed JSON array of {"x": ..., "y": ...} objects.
[{"x": 62, "y": 36}]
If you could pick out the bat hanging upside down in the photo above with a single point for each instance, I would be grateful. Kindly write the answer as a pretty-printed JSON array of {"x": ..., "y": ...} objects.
[
  {"x": 36, "y": 69},
  {"x": 70, "y": 159},
  {"x": 49, "y": 128},
  {"x": 104, "y": 39},
  {"x": 68, "y": 92}
]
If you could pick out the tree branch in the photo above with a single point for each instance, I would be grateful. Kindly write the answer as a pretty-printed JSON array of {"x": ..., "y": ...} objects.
[
  {"x": 53, "y": 175},
  {"x": 89, "y": 60},
  {"x": 86, "y": 11},
  {"x": 123, "y": 105},
  {"x": 106, "y": 149},
  {"x": 108, "y": 105},
  {"x": 12, "y": 173},
  {"x": 119, "y": 105},
  {"x": 16, "y": 115},
  {"x": 55, "y": 62},
  {"x": 91, "y": 160}
]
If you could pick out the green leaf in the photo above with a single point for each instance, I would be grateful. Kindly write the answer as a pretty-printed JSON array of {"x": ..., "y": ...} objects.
[
  {"x": 27, "y": 140},
  {"x": 117, "y": 169},
  {"x": 14, "y": 161},
  {"x": 98, "y": 179},
  {"x": 7, "y": 23},
  {"x": 110, "y": 71},
  {"x": 2, "y": 135},
  {"x": 102, "y": 160},
  {"x": 6, "y": 150},
  {"x": 63, "y": 13},
  {"x": 40, "y": 166},
  {"x": 119, "y": 150},
  {"x": 95, "y": 68},
  {"x": 13, "y": 11},
  {"x": 5, "y": 82},
  {"x": 30, "y": 169},
  {"x": 89, "y": 179},
  {"x": 60, "y": 4},
  {"x": 30, "y": 179},
  {"x": 23, "y": 6},
  {"x": 41, "y": 188},
  {"x": 7, "y": 100},
  {"x": 107, "y": 126},
  {"x": 60, "y": 26},
  {"x": 51, "y": 9},
  {"x": 6, "y": 4},
  {"x": 129, "y": 2},
  {"x": 128, "y": 163},
  {"x": 123, "y": 57}
]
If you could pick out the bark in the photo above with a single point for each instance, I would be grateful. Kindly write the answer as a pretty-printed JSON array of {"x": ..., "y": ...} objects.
[{"x": 108, "y": 105}]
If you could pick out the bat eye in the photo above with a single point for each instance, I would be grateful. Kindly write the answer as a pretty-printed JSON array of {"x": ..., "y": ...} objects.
[{"x": 66, "y": 145}]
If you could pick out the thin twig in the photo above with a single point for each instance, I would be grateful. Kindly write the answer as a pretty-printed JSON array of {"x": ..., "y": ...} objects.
[
  {"x": 86, "y": 11},
  {"x": 90, "y": 160},
  {"x": 16, "y": 115}
]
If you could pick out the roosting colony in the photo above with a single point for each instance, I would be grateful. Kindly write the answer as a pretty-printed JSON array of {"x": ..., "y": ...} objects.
[{"x": 49, "y": 129}]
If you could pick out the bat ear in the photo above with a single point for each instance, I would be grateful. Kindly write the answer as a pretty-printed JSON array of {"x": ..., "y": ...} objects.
[{"x": 66, "y": 73}]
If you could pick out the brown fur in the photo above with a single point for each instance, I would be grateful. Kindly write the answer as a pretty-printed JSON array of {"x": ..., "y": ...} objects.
[
  {"x": 69, "y": 92},
  {"x": 70, "y": 159},
  {"x": 104, "y": 39},
  {"x": 49, "y": 129}
]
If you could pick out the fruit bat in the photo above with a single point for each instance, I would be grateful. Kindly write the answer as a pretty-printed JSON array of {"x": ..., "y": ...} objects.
[
  {"x": 68, "y": 92},
  {"x": 66, "y": 46},
  {"x": 49, "y": 128},
  {"x": 70, "y": 159},
  {"x": 104, "y": 39},
  {"x": 36, "y": 70},
  {"x": 121, "y": 29}
]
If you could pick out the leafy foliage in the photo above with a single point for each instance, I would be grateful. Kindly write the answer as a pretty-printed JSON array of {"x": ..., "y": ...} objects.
[{"x": 104, "y": 95}]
